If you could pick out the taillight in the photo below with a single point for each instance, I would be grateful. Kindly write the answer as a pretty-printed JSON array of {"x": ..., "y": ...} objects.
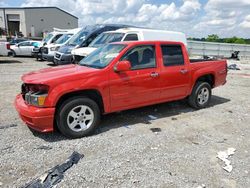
[{"x": 8, "y": 46}]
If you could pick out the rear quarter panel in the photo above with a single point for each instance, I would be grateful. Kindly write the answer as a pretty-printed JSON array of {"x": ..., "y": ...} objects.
[{"x": 216, "y": 68}]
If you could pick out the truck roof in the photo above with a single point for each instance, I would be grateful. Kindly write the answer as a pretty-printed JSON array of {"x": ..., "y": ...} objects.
[
  {"x": 154, "y": 34},
  {"x": 148, "y": 42}
]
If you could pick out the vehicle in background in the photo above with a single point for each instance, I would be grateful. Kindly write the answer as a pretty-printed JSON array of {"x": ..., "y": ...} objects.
[
  {"x": 17, "y": 40},
  {"x": 49, "y": 50},
  {"x": 115, "y": 77},
  {"x": 82, "y": 39},
  {"x": 4, "y": 48},
  {"x": 50, "y": 38},
  {"x": 128, "y": 34},
  {"x": 24, "y": 48}
]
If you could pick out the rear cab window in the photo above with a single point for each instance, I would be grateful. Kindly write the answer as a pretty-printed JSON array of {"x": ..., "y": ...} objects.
[
  {"x": 131, "y": 37},
  {"x": 172, "y": 55}
]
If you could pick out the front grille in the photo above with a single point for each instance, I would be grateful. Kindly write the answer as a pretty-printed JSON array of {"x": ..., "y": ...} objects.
[{"x": 45, "y": 50}]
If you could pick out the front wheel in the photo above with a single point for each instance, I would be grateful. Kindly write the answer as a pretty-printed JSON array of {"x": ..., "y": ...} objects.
[
  {"x": 200, "y": 96},
  {"x": 78, "y": 117}
]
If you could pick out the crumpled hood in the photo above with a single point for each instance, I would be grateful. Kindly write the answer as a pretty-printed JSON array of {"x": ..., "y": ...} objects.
[
  {"x": 66, "y": 49},
  {"x": 58, "y": 74}
]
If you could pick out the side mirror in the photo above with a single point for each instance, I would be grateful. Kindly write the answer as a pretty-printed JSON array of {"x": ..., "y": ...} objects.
[{"x": 122, "y": 66}]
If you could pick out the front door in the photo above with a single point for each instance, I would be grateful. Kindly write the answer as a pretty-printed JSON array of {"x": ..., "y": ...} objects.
[{"x": 138, "y": 86}]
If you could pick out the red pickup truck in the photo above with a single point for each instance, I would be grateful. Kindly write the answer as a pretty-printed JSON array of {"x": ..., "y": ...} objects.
[{"x": 115, "y": 77}]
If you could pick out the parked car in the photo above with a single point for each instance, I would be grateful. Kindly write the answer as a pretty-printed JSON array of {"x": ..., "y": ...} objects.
[
  {"x": 82, "y": 39},
  {"x": 115, "y": 77},
  {"x": 4, "y": 48},
  {"x": 50, "y": 38},
  {"x": 128, "y": 34},
  {"x": 24, "y": 48},
  {"x": 17, "y": 40},
  {"x": 49, "y": 50}
]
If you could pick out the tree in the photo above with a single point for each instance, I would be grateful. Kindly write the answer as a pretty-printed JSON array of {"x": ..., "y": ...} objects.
[{"x": 212, "y": 38}]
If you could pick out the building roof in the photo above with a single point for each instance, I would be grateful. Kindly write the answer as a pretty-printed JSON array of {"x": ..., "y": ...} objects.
[{"x": 39, "y": 8}]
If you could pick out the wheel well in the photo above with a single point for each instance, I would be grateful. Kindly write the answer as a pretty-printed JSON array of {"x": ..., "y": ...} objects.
[
  {"x": 209, "y": 78},
  {"x": 92, "y": 94}
]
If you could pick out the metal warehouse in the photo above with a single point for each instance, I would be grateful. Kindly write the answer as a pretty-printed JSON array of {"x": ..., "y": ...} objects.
[{"x": 34, "y": 21}]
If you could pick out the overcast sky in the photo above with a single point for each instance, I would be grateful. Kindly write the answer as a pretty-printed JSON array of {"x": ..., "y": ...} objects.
[{"x": 196, "y": 18}]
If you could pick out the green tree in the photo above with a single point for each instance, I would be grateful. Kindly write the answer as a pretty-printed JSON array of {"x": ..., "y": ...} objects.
[{"x": 212, "y": 38}]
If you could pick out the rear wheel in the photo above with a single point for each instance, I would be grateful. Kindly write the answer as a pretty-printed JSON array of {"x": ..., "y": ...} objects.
[
  {"x": 78, "y": 117},
  {"x": 200, "y": 96},
  {"x": 13, "y": 53}
]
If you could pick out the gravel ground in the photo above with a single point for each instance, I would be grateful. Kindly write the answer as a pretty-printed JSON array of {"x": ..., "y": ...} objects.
[{"x": 124, "y": 152}]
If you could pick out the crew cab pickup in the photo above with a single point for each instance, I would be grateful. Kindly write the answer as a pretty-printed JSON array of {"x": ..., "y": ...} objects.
[{"x": 115, "y": 77}]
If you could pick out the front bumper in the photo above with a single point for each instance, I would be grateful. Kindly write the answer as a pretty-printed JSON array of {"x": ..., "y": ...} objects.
[
  {"x": 61, "y": 59},
  {"x": 39, "y": 119},
  {"x": 48, "y": 57}
]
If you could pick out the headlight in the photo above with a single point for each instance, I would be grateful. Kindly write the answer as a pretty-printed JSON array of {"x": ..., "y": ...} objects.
[
  {"x": 35, "y": 99},
  {"x": 57, "y": 48},
  {"x": 53, "y": 49},
  {"x": 35, "y": 94}
]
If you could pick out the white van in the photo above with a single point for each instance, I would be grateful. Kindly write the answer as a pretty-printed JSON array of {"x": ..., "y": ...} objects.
[
  {"x": 49, "y": 50},
  {"x": 128, "y": 34}
]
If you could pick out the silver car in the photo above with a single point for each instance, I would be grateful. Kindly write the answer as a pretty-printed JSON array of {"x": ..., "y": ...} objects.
[{"x": 24, "y": 48}]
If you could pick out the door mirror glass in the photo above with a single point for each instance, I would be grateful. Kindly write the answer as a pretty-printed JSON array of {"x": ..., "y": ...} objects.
[{"x": 122, "y": 66}]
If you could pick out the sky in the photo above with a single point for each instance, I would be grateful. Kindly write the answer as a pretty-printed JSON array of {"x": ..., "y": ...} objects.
[{"x": 196, "y": 18}]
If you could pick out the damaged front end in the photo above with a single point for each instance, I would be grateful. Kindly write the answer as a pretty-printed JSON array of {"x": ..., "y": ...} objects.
[{"x": 35, "y": 94}]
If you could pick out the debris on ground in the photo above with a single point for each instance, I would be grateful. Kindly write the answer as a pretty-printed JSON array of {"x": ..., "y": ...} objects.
[
  {"x": 202, "y": 186},
  {"x": 152, "y": 117},
  {"x": 55, "y": 175},
  {"x": 8, "y": 126},
  {"x": 174, "y": 118},
  {"x": 233, "y": 67},
  {"x": 223, "y": 155},
  {"x": 44, "y": 147},
  {"x": 155, "y": 130}
]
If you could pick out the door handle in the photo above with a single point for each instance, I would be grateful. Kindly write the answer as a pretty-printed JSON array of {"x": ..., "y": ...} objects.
[
  {"x": 154, "y": 74},
  {"x": 183, "y": 71}
]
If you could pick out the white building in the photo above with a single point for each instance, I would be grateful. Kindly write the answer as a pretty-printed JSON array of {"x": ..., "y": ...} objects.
[{"x": 34, "y": 21}]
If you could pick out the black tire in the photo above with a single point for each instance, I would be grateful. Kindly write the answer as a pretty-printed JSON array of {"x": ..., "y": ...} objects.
[
  {"x": 13, "y": 53},
  {"x": 72, "y": 104},
  {"x": 194, "y": 100}
]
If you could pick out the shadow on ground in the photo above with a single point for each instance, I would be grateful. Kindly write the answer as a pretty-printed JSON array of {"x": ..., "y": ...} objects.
[
  {"x": 129, "y": 118},
  {"x": 9, "y": 61},
  {"x": 51, "y": 64}
]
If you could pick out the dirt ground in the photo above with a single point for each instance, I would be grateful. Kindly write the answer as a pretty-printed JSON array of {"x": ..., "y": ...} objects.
[{"x": 124, "y": 152}]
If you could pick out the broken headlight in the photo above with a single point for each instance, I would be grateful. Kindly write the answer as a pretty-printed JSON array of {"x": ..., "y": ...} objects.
[{"x": 35, "y": 94}]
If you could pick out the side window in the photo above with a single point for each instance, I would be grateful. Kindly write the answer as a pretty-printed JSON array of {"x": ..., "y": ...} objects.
[
  {"x": 55, "y": 38},
  {"x": 131, "y": 37},
  {"x": 141, "y": 57},
  {"x": 172, "y": 55},
  {"x": 24, "y": 44},
  {"x": 91, "y": 38}
]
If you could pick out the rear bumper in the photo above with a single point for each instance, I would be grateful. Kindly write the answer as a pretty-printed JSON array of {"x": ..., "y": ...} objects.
[{"x": 39, "y": 119}]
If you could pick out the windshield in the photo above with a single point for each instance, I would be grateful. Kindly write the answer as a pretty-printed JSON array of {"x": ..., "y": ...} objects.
[
  {"x": 48, "y": 37},
  {"x": 63, "y": 38},
  {"x": 105, "y": 38},
  {"x": 78, "y": 38},
  {"x": 101, "y": 57}
]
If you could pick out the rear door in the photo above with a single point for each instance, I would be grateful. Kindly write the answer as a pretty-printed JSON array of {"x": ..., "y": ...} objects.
[
  {"x": 138, "y": 86},
  {"x": 175, "y": 75}
]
